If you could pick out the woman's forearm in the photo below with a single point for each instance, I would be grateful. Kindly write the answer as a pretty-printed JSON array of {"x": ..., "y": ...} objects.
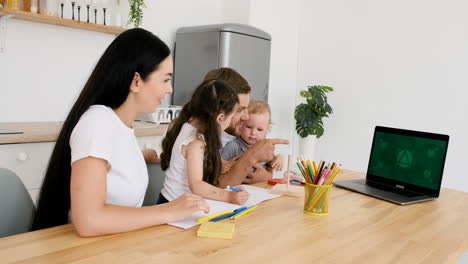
[{"x": 111, "y": 219}]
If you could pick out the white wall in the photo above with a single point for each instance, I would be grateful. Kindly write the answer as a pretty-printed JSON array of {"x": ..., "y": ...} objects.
[
  {"x": 393, "y": 63},
  {"x": 236, "y": 11},
  {"x": 280, "y": 19},
  {"x": 163, "y": 18},
  {"x": 45, "y": 67}
]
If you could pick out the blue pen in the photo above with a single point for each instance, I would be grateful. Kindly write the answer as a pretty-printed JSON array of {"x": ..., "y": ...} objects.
[
  {"x": 216, "y": 219},
  {"x": 238, "y": 212},
  {"x": 233, "y": 189}
]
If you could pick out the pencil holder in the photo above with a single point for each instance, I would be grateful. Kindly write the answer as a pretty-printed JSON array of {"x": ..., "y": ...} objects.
[{"x": 317, "y": 199}]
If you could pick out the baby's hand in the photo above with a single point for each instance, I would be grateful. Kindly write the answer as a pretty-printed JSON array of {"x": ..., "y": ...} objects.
[
  {"x": 278, "y": 162},
  {"x": 226, "y": 165},
  {"x": 238, "y": 197}
]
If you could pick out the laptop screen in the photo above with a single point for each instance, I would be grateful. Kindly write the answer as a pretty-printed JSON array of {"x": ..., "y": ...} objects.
[{"x": 410, "y": 159}]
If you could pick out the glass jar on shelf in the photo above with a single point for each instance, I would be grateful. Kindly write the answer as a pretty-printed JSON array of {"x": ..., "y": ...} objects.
[
  {"x": 81, "y": 10},
  {"x": 106, "y": 11},
  {"x": 67, "y": 9},
  {"x": 14, "y": 4},
  {"x": 47, "y": 7},
  {"x": 95, "y": 14},
  {"x": 113, "y": 17},
  {"x": 33, "y": 6}
]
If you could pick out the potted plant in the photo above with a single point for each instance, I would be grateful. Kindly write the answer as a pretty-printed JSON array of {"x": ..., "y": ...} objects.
[
  {"x": 309, "y": 117},
  {"x": 135, "y": 16}
]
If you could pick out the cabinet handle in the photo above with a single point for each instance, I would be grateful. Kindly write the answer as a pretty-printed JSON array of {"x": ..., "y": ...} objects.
[{"x": 22, "y": 156}]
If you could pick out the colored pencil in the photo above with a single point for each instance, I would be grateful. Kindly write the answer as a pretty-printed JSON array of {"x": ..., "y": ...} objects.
[
  {"x": 330, "y": 181},
  {"x": 245, "y": 212},
  {"x": 311, "y": 173},
  {"x": 302, "y": 170}
]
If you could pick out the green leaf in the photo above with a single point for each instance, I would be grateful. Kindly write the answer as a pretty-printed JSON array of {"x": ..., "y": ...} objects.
[
  {"x": 305, "y": 94},
  {"x": 136, "y": 12},
  {"x": 309, "y": 115}
]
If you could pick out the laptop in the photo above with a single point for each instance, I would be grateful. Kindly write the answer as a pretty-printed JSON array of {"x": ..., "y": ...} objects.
[{"x": 405, "y": 166}]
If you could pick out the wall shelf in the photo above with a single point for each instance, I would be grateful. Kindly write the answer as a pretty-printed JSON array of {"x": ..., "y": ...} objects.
[{"x": 51, "y": 20}]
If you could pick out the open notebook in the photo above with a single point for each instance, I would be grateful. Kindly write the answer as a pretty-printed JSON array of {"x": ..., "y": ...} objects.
[{"x": 257, "y": 195}]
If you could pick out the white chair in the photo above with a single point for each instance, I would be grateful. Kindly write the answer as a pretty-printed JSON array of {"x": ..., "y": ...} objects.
[{"x": 16, "y": 206}]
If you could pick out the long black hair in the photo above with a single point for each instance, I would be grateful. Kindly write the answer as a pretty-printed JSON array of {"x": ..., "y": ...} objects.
[
  {"x": 210, "y": 99},
  {"x": 135, "y": 50}
]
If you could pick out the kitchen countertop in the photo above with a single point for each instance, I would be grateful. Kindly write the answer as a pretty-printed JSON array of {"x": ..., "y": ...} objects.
[{"x": 48, "y": 131}]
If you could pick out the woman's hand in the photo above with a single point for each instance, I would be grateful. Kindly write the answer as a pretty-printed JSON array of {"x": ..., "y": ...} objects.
[
  {"x": 185, "y": 206},
  {"x": 238, "y": 197}
]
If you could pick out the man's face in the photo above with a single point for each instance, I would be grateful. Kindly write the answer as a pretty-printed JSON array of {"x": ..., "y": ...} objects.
[{"x": 240, "y": 116}]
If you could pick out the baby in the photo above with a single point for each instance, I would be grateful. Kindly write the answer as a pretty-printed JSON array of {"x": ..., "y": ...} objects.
[{"x": 252, "y": 131}]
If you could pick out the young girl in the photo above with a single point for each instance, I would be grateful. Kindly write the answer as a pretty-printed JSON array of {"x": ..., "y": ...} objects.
[
  {"x": 191, "y": 148},
  {"x": 97, "y": 177},
  {"x": 254, "y": 129}
]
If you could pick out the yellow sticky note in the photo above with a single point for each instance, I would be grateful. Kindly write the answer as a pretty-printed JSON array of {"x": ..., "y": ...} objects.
[{"x": 216, "y": 230}]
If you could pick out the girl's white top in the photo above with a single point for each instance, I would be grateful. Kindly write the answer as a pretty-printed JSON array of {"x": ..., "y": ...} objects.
[{"x": 176, "y": 182}]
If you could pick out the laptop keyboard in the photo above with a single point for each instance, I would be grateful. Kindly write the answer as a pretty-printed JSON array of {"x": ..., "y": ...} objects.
[{"x": 389, "y": 188}]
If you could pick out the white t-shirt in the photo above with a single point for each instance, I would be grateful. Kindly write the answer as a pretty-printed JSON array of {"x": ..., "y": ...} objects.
[
  {"x": 176, "y": 182},
  {"x": 226, "y": 138},
  {"x": 100, "y": 133}
]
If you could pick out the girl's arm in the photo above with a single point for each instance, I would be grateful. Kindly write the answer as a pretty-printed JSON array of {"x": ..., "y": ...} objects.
[
  {"x": 92, "y": 216},
  {"x": 194, "y": 153}
]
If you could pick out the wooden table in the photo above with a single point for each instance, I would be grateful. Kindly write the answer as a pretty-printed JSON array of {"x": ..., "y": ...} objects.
[{"x": 358, "y": 229}]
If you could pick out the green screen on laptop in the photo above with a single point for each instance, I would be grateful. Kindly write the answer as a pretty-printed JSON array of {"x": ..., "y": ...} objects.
[{"x": 408, "y": 159}]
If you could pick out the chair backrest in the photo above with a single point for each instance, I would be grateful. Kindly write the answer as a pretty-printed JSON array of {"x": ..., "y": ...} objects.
[
  {"x": 155, "y": 184},
  {"x": 16, "y": 206}
]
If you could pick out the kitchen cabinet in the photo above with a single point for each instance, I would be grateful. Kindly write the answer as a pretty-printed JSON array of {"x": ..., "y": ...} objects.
[
  {"x": 29, "y": 161},
  {"x": 28, "y": 154}
]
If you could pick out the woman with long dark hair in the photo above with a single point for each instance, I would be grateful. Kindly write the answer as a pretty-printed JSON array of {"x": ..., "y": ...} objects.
[
  {"x": 191, "y": 149},
  {"x": 96, "y": 175}
]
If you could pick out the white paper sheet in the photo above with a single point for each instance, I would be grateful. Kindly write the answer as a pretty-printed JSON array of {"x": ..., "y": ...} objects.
[{"x": 257, "y": 195}]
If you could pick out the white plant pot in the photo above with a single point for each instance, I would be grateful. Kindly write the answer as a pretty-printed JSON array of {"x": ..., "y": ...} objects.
[{"x": 307, "y": 147}]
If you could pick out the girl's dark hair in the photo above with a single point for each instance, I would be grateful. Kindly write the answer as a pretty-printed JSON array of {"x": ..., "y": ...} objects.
[
  {"x": 135, "y": 50},
  {"x": 210, "y": 99}
]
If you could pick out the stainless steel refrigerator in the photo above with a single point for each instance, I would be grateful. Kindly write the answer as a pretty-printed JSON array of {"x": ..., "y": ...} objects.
[{"x": 202, "y": 48}]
